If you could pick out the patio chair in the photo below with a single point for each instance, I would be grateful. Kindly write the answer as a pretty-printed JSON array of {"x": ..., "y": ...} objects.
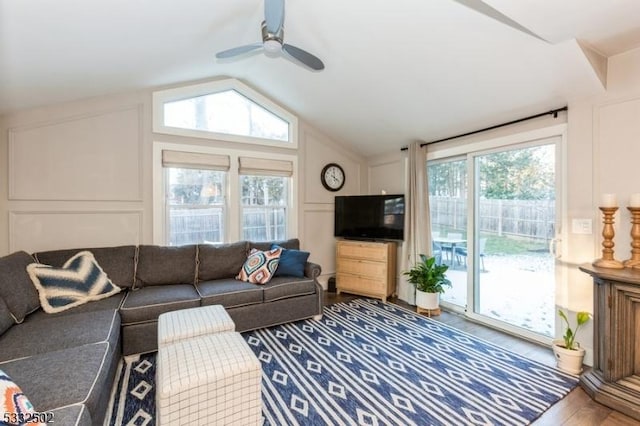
[
  {"x": 461, "y": 253},
  {"x": 447, "y": 249},
  {"x": 436, "y": 251}
]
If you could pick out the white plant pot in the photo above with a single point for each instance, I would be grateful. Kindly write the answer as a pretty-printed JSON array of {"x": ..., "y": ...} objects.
[
  {"x": 569, "y": 361},
  {"x": 427, "y": 300}
]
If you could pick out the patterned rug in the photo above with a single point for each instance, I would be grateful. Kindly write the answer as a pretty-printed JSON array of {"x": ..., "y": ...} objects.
[{"x": 371, "y": 363}]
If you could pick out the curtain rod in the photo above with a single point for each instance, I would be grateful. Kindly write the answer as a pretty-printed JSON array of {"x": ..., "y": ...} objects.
[{"x": 553, "y": 112}]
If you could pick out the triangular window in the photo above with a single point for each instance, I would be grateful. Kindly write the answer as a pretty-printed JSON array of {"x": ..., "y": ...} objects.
[{"x": 226, "y": 110}]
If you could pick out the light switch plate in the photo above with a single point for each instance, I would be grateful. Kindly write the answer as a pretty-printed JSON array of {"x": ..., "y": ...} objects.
[{"x": 582, "y": 226}]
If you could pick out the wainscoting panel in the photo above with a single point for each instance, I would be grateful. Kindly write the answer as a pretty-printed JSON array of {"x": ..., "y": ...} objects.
[
  {"x": 319, "y": 240},
  {"x": 92, "y": 157},
  {"x": 40, "y": 230}
]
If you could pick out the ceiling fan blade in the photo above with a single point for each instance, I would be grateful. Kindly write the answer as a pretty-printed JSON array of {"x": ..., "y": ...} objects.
[
  {"x": 238, "y": 50},
  {"x": 274, "y": 15},
  {"x": 303, "y": 57},
  {"x": 481, "y": 7}
]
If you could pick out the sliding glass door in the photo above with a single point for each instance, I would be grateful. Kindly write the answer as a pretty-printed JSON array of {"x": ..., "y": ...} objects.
[
  {"x": 448, "y": 196},
  {"x": 495, "y": 215}
]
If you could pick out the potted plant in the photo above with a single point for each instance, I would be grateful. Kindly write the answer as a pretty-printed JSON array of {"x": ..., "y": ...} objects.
[
  {"x": 430, "y": 280},
  {"x": 568, "y": 353}
]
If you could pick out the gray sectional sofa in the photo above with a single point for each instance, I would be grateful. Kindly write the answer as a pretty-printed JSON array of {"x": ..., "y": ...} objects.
[{"x": 66, "y": 362}]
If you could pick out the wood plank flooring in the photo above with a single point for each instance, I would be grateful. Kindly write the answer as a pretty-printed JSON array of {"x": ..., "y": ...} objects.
[{"x": 576, "y": 409}]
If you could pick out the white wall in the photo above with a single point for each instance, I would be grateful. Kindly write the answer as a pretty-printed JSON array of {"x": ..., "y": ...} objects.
[{"x": 79, "y": 174}]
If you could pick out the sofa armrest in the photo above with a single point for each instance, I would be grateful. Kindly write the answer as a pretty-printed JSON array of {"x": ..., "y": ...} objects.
[{"x": 312, "y": 270}]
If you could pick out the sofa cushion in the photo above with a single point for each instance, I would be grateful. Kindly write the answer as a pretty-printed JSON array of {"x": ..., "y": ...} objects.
[
  {"x": 34, "y": 337},
  {"x": 166, "y": 265},
  {"x": 65, "y": 377},
  {"x": 15, "y": 406},
  {"x": 73, "y": 415},
  {"x": 80, "y": 280},
  {"x": 147, "y": 303},
  {"x": 292, "y": 262},
  {"x": 6, "y": 319},
  {"x": 293, "y": 244},
  {"x": 16, "y": 287},
  {"x": 109, "y": 304},
  {"x": 221, "y": 261},
  {"x": 229, "y": 293},
  {"x": 260, "y": 266},
  {"x": 118, "y": 263},
  {"x": 284, "y": 287}
]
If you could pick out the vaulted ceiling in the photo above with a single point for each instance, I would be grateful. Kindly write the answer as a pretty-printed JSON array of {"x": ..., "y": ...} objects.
[{"x": 396, "y": 71}]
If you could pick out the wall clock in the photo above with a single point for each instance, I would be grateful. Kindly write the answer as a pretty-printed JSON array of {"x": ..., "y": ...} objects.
[{"x": 332, "y": 177}]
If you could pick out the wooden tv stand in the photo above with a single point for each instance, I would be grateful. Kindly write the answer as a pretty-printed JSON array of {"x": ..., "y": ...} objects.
[{"x": 366, "y": 268}]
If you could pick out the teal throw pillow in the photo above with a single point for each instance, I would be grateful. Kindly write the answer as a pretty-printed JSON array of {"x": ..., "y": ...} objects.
[{"x": 292, "y": 262}]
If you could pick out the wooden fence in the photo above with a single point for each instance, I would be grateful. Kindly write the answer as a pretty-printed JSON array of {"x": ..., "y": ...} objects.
[
  {"x": 189, "y": 225},
  {"x": 522, "y": 218}
]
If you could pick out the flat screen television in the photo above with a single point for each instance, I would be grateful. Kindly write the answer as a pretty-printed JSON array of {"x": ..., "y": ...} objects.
[{"x": 370, "y": 217}]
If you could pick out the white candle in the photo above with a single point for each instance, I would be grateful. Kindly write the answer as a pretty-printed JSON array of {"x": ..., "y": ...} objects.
[
  {"x": 609, "y": 200},
  {"x": 634, "y": 201}
]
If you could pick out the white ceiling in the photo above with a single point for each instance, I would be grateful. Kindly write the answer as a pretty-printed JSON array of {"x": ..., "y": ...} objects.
[{"x": 396, "y": 71}]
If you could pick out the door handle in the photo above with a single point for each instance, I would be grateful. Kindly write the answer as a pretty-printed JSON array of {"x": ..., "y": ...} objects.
[{"x": 553, "y": 247}]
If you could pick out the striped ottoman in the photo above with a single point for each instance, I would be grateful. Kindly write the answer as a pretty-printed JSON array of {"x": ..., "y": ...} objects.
[
  {"x": 213, "y": 379},
  {"x": 186, "y": 323}
]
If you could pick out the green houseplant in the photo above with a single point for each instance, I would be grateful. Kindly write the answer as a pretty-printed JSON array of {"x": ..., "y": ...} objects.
[
  {"x": 429, "y": 279},
  {"x": 569, "y": 355}
]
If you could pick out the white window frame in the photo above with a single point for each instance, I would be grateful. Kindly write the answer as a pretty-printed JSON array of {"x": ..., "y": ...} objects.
[
  {"x": 232, "y": 231},
  {"x": 185, "y": 92}
]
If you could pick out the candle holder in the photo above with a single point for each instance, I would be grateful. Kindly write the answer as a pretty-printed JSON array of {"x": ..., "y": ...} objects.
[
  {"x": 607, "y": 260},
  {"x": 634, "y": 262}
]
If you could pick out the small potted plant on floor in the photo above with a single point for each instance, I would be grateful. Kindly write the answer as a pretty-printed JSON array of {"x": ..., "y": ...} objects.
[
  {"x": 568, "y": 353},
  {"x": 430, "y": 280}
]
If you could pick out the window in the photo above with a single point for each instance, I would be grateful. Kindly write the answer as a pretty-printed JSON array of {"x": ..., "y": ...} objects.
[
  {"x": 264, "y": 207},
  {"x": 195, "y": 206},
  {"x": 224, "y": 110},
  {"x": 194, "y": 193},
  {"x": 265, "y": 194},
  {"x": 209, "y": 195}
]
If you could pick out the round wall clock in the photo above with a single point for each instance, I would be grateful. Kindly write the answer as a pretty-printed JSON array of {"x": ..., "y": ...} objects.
[{"x": 332, "y": 177}]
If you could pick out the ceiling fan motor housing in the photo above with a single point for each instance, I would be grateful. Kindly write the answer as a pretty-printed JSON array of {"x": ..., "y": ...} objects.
[{"x": 272, "y": 42}]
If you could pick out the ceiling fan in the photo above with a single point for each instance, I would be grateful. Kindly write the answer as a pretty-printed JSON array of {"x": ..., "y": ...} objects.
[{"x": 272, "y": 40}]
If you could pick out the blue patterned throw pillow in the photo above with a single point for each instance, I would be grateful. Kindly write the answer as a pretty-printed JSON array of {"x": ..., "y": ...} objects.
[
  {"x": 15, "y": 407},
  {"x": 260, "y": 266},
  {"x": 80, "y": 280}
]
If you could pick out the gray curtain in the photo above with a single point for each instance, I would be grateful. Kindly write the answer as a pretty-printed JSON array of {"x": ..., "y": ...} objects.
[{"x": 417, "y": 222}]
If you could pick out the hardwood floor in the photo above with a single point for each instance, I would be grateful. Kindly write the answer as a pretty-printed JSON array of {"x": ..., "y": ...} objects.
[{"x": 576, "y": 409}]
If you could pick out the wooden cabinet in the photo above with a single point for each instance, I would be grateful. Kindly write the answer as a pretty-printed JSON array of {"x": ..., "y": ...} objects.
[
  {"x": 366, "y": 268},
  {"x": 615, "y": 378}
]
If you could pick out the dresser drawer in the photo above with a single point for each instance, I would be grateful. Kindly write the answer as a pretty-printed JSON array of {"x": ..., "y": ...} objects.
[
  {"x": 362, "y": 267},
  {"x": 367, "y": 251},
  {"x": 361, "y": 284}
]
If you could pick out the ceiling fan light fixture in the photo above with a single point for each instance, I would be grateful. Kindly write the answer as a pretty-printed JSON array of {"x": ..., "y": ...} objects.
[{"x": 272, "y": 46}]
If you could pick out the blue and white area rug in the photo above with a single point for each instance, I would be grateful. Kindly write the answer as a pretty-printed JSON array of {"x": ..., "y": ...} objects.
[{"x": 371, "y": 363}]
